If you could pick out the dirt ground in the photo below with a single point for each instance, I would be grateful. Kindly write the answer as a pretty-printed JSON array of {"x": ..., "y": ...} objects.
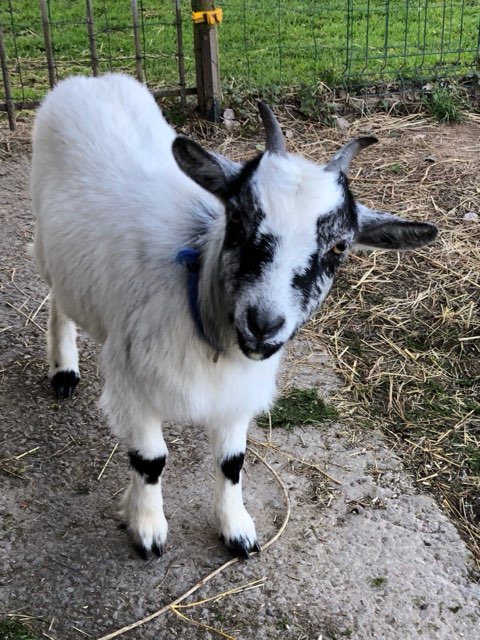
[{"x": 364, "y": 554}]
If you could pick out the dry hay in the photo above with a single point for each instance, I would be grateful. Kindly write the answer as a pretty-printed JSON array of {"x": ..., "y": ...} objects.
[{"x": 403, "y": 330}]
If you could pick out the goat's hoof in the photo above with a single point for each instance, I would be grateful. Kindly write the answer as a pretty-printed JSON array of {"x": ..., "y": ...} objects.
[
  {"x": 144, "y": 544},
  {"x": 142, "y": 551},
  {"x": 158, "y": 549},
  {"x": 64, "y": 383},
  {"x": 241, "y": 547}
]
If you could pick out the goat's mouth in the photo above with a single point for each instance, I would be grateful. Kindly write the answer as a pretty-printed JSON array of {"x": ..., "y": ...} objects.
[{"x": 257, "y": 349}]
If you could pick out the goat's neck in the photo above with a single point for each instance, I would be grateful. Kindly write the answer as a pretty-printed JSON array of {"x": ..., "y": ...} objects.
[{"x": 211, "y": 297}]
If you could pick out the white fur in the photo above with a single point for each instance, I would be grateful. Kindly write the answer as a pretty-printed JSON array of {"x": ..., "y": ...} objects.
[
  {"x": 61, "y": 338},
  {"x": 142, "y": 510},
  {"x": 230, "y": 516}
]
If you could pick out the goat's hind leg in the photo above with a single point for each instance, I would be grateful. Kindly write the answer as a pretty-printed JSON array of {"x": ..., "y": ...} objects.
[{"x": 62, "y": 351}]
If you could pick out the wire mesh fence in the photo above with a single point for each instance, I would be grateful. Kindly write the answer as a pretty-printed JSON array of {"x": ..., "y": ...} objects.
[
  {"x": 46, "y": 40},
  {"x": 264, "y": 44},
  {"x": 351, "y": 42}
]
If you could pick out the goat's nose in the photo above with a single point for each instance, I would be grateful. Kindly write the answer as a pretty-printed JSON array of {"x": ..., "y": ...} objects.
[{"x": 263, "y": 325}]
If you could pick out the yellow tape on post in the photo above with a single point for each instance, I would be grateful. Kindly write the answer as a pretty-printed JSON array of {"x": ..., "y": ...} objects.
[{"x": 211, "y": 17}]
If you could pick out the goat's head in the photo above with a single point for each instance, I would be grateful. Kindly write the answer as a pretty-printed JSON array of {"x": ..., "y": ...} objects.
[{"x": 289, "y": 225}]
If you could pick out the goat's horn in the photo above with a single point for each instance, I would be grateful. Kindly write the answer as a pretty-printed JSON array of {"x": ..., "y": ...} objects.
[
  {"x": 342, "y": 159},
  {"x": 275, "y": 140}
]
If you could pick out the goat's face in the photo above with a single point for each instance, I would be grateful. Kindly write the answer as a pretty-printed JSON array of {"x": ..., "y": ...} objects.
[{"x": 289, "y": 226}]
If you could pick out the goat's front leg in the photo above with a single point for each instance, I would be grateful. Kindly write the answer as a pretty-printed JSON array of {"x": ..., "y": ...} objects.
[
  {"x": 143, "y": 501},
  {"x": 234, "y": 524}
]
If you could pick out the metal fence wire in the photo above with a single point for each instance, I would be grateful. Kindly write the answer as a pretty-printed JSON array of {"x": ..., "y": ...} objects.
[
  {"x": 264, "y": 44},
  {"x": 46, "y": 40},
  {"x": 348, "y": 42}
]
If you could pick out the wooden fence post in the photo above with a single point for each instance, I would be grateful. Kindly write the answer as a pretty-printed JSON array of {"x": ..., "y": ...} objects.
[
  {"x": 91, "y": 38},
  {"x": 180, "y": 55},
  {"x": 206, "y": 63},
  {"x": 136, "y": 39},
  {"x": 9, "y": 104},
  {"x": 48, "y": 43}
]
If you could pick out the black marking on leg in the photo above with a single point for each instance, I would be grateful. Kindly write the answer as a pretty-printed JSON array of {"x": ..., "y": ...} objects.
[
  {"x": 232, "y": 466},
  {"x": 150, "y": 470},
  {"x": 64, "y": 383}
]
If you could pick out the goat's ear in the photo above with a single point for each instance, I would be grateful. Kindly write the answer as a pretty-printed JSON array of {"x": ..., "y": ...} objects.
[
  {"x": 210, "y": 171},
  {"x": 381, "y": 230}
]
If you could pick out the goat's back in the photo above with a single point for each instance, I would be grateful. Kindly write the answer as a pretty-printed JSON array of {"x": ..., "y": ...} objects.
[
  {"x": 103, "y": 121},
  {"x": 111, "y": 205}
]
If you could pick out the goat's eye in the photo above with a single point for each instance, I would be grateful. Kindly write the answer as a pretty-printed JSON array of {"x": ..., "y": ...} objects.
[
  {"x": 339, "y": 248},
  {"x": 235, "y": 217}
]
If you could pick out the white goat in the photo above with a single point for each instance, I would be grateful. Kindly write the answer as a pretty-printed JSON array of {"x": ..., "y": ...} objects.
[{"x": 191, "y": 270}]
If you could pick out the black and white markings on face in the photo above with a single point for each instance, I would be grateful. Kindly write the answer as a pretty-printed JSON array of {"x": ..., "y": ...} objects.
[
  {"x": 280, "y": 255},
  {"x": 253, "y": 256},
  {"x": 335, "y": 233},
  {"x": 250, "y": 248}
]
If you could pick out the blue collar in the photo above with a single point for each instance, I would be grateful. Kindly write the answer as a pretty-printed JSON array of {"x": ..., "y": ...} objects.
[{"x": 190, "y": 259}]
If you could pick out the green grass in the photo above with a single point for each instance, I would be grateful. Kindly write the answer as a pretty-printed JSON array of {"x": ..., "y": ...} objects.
[
  {"x": 378, "y": 582},
  {"x": 309, "y": 41},
  {"x": 12, "y": 630},
  {"x": 114, "y": 41},
  {"x": 445, "y": 105},
  {"x": 298, "y": 407},
  {"x": 266, "y": 44},
  {"x": 439, "y": 403}
]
